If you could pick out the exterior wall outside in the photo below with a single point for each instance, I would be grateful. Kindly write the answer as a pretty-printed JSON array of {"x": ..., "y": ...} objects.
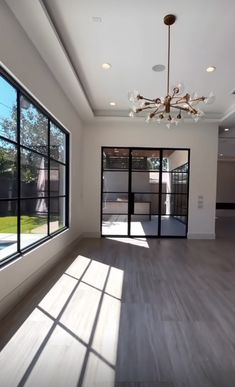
[
  {"x": 21, "y": 59},
  {"x": 202, "y": 139}
]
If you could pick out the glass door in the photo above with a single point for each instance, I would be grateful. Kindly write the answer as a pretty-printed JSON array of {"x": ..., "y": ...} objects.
[
  {"x": 174, "y": 192},
  {"x": 145, "y": 165},
  {"x": 144, "y": 192},
  {"x": 115, "y": 191}
]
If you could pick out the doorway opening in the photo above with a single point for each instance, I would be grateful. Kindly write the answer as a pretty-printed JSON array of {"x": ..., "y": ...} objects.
[{"x": 144, "y": 192}]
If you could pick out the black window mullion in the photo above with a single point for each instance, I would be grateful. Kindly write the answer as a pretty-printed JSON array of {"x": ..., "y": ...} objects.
[
  {"x": 48, "y": 178},
  {"x": 9, "y": 140},
  {"x": 160, "y": 194},
  {"x": 131, "y": 198},
  {"x": 67, "y": 153},
  {"x": 18, "y": 174}
]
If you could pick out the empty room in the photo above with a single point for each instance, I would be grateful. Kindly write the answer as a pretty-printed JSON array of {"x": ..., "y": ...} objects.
[{"x": 117, "y": 193}]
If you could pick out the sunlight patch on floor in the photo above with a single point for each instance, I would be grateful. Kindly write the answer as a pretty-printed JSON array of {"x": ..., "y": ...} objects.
[
  {"x": 71, "y": 337},
  {"x": 141, "y": 242}
]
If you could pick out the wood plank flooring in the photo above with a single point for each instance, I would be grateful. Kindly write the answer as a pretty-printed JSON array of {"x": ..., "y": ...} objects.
[{"x": 160, "y": 313}]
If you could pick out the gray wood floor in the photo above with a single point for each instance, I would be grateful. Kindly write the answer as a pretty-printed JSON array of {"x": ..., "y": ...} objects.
[{"x": 160, "y": 313}]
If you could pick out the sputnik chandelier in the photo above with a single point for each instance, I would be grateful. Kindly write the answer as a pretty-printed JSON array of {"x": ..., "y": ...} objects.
[{"x": 171, "y": 108}]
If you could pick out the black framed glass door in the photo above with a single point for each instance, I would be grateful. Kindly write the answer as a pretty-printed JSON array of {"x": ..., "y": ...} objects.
[{"x": 144, "y": 192}]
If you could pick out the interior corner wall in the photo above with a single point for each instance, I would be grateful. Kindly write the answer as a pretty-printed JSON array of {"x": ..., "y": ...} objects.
[
  {"x": 202, "y": 139},
  {"x": 20, "y": 57}
]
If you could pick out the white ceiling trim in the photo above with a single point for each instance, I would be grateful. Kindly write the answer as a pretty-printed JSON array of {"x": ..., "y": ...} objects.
[
  {"x": 45, "y": 38},
  {"x": 43, "y": 33}
]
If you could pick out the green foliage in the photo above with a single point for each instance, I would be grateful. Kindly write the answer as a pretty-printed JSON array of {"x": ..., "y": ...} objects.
[{"x": 8, "y": 224}]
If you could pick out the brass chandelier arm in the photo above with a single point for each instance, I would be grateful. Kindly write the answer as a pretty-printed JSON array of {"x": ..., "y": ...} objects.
[
  {"x": 144, "y": 108},
  {"x": 156, "y": 112},
  {"x": 181, "y": 108},
  {"x": 150, "y": 100},
  {"x": 194, "y": 110}
]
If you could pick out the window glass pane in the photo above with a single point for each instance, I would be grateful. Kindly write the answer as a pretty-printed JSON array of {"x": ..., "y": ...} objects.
[
  {"x": 143, "y": 225},
  {"x": 57, "y": 214},
  {"x": 147, "y": 204},
  {"x": 174, "y": 204},
  {"x": 8, "y": 170},
  {"x": 33, "y": 127},
  {"x": 34, "y": 174},
  {"x": 114, "y": 224},
  {"x": 148, "y": 160},
  {"x": 115, "y": 158},
  {"x": 8, "y": 228},
  {"x": 8, "y": 110},
  {"x": 172, "y": 226},
  {"x": 57, "y": 179},
  {"x": 145, "y": 182},
  {"x": 115, "y": 203},
  {"x": 115, "y": 181},
  {"x": 174, "y": 159},
  {"x": 33, "y": 220},
  {"x": 57, "y": 143},
  {"x": 174, "y": 182}
]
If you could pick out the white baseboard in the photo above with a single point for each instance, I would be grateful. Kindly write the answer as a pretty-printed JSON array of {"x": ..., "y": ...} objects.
[{"x": 201, "y": 236}]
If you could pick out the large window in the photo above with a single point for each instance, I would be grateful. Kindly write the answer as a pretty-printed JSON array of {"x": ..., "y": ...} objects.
[{"x": 33, "y": 172}]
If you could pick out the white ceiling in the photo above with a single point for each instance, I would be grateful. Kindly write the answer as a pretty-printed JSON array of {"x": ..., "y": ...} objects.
[{"x": 133, "y": 38}]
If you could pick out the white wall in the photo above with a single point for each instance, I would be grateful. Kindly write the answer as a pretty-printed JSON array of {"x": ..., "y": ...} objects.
[
  {"x": 202, "y": 139},
  {"x": 21, "y": 58}
]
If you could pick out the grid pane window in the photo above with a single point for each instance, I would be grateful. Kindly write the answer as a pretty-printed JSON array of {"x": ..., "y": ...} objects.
[
  {"x": 8, "y": 113},
  {"x": 57, "y": 214},
  {"x": 33, "y": 127},
  {"x": 57, "y": 143},
  {"x": 33, "y": 172},
  {"x": 8, "y": 170},
  {"x": 57, "y": 178}
]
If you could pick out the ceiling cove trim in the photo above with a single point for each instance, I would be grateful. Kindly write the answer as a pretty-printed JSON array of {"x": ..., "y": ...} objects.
[
  {"x": 66, "y": 51},
  {"x": 19, "y": 10},
  {"x": 210, "y": 117},
  {"x": 42, "y": 33}
]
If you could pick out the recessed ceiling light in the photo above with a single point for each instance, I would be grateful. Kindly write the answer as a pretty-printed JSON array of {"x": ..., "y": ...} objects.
[
  {"x": 97, "y": 19},
  {"x": 210, "y": 69},
  {"x": 226, "y": 129},
  {"x": 158, "y": 67},
  {"x": 221, "y": 154},
  {"x": 106, "y": 66},
  {"x": 112, "y": 103}
]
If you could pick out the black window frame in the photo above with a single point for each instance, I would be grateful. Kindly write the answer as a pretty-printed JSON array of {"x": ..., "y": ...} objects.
[{"x": 50, "y": 119}]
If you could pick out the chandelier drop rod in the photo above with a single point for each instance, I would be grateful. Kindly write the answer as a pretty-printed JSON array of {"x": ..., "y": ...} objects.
[{"x": 168, "y": 61}]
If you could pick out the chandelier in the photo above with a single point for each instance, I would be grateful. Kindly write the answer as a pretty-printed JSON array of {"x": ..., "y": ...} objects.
[{"x": 171, "y": 108}]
